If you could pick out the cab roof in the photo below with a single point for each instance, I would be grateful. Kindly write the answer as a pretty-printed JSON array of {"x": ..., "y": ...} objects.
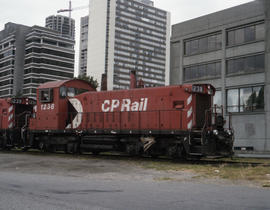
[
  {"x": 53, "y": 84},
  {"x": 59, "y": 83}
]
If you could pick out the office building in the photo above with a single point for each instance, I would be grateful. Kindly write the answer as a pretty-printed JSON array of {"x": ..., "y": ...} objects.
[
  {"x": 230, "y": 49},
  {"x": 64, "y": 25},
  {"x": 127, "y": 35},
  {"x": 12, "y": 51},
  {"x": 30, "y": 56},
  {"x": 48, "y": 57}
]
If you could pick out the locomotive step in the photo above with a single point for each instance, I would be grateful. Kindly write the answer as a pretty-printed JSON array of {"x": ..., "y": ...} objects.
[
  {"x": 196, "y": 141},
  {"x": 103, "y": 139},
  {"x": 197, "y": 149},
  {"x": 196, "y": 154},
  {"x": 97, "y": 146}
]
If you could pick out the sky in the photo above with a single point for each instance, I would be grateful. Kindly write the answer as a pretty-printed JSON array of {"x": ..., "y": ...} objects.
[{"x": 34, "y": 12}]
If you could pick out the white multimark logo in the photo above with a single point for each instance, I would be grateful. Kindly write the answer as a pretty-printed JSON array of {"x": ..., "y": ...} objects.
[{"x": 124, "y": 105}]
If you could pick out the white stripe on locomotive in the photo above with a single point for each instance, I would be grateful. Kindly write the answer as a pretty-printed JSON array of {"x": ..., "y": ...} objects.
[
  {"x": 10, "y": 117},
  {"x": 10, "y": 109},
  {"x": 189, "y": 112},
  {"x": 189, "y": 100}
]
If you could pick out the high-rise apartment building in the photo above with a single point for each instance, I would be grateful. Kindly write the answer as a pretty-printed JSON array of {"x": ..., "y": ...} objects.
[
  {"x": 83, "y": 45},
  {"x": 48, "y": 57},
  {"x": 12, "y": 51},
  {"x": 231, "y": 50},
  {"x": 127, "y": 35},
  {"x": 64, "y": 25},
  {"x": 30, "y": 56}
]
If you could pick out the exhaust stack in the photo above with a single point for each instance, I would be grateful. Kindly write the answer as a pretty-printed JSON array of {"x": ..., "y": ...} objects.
[
  {"x": 103, "y": 82},
  {"x": 133, "y": 80}
]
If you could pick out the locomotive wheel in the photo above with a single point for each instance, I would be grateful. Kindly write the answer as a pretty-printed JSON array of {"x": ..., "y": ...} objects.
[
  {"x": 154, "y": 155},
  {"x": 71, "y": 148},
  {"x": 25, "y": 149},
  {"x": 41, "y": 146},
  {"x": 95, "y": 152},
  {"x": 5, "y": 142},
  {"x": 172, "y": 151},
  {"x": 51, "y": 148},
  {"x": 133, "y": 149},
  {"x": 181, "y": 152}
]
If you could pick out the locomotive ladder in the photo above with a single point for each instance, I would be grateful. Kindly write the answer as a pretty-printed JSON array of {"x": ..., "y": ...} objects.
[{"x": 196, "y": 145}]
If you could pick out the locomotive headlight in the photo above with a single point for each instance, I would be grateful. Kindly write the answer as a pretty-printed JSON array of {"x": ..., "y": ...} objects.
[
  {"x": 210, "y": 91},
  {"x": 215, "y": 132},
  {"x": 229, "y": 132}
]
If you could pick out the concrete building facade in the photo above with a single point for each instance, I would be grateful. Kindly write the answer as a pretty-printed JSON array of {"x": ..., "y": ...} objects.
[
  {"x": 30, "y": 56},
  {"x": 83, "y": 45},
  {"x": 64, "y": 25},
  {"x": 12, "y": 51},
  {"x": 127, "y": 35},
  {"x": 48, "y": 57},
  {"x": 230, "y": 50}
]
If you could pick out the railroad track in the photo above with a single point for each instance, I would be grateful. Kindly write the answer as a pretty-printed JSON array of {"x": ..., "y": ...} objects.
[{"x": 121, "y": 156}]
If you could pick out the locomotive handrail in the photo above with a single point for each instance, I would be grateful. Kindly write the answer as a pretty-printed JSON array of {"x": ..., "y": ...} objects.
[{"x": 21, "y": 114}]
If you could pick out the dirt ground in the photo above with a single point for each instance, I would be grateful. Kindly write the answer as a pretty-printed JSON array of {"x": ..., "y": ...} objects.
[
  {"x": 105, "y": 167},
  {"x": 110, "y": 167}
]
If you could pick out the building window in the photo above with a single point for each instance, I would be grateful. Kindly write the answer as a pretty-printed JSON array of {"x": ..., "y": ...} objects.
[
  {"x": 6, "y": 63},
  {"x": 245, "y": 34},
  {"x": 217, "y": 98},
  {"x": 203, "y": 71},
  {"x": 217, "y": 101},
  {"x": 246, "y": 99},
  {"x": 250, "y": 64},
  {"x": 203, "y": 44}
]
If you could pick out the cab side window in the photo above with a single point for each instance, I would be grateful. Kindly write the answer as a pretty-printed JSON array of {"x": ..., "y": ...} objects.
[
  {"x": 71, "y": 92},
  {"x": 63, "y": 92},
  {"x": 46, "y": 95}
]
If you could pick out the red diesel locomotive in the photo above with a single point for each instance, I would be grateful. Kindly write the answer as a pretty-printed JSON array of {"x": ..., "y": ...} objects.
[{"x": 178, "y": 121}]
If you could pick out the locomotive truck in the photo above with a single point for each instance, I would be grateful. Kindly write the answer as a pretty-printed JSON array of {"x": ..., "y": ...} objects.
[{"x": 71, "y": 116}]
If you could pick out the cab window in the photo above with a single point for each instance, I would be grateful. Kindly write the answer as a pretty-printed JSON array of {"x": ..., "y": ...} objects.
[
  {"x": 63, "y": 92},
  {"x": 70, "y": 92},
  {"x": 46, "y": 95}
]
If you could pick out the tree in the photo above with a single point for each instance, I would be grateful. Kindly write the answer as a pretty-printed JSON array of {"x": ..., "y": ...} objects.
[
  {"x": 19, "y": 94},
  {"x": 90, "y": 79},
  {"x": 250, "y": 101},
  {"x": 260, "y": 99}
]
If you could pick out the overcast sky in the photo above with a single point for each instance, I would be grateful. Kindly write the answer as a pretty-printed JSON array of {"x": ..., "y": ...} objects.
[{"x": 34, "y": 12}]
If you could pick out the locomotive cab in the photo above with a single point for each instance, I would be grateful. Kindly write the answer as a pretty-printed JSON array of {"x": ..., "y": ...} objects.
[
  {"x": 55, "y": 103},
  {"x": 52, "y": 122}
]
